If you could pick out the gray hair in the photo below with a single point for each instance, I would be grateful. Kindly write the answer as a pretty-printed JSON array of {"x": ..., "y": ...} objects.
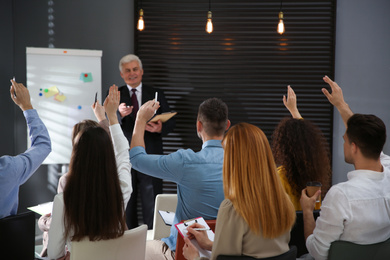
[{"x": 129, "y": 58}]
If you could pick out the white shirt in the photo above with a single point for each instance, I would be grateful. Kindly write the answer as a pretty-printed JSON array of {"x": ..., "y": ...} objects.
[
  {"x": 138, "y": 93},
  {"x": 357, "y": 210},
  {"x": 57, "y": 242},
  {"x": 385, "y": 160}
]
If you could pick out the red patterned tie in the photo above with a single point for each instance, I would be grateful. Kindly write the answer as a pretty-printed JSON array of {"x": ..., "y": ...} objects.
[{"x": 134, "y": 102}]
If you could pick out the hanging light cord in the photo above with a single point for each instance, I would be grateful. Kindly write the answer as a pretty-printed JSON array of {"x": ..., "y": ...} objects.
[
  {"x": 209, "y": 5},
  {"x": 281, "y": 4}
]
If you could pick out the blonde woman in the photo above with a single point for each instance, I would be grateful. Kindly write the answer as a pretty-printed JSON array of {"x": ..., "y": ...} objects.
[{"x": 256, "y": 216}]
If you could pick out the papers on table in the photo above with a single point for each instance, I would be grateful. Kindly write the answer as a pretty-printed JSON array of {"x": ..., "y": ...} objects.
[
  {"x": 182, "y": 228},
  {"x": 167, "y": 216},
  {"x": 42, "y": 209}
]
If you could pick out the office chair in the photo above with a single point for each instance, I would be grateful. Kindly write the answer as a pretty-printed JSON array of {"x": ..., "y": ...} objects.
[
  {"x": 129, "y": 246},
  {"x": 344, "y": 250},
  {"x": 289, "y": 255},
  {"x": 17, "y": 236},
  {"x": 297, "y": 237},
  {"x": 163, "y": 202}
]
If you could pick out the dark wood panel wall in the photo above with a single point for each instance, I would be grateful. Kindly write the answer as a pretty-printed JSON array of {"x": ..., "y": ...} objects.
[{"x": 244, "y": 61}]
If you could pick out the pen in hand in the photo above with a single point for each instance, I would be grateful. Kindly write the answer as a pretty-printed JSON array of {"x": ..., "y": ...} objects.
[
  {"x": 155, "y": 101},
  {"x": 13, "y": 79},
  {"x": 201, "y": 229}
]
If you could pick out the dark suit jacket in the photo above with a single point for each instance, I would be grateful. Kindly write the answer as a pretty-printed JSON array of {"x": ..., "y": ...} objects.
[{"x": 153, "y": 141}]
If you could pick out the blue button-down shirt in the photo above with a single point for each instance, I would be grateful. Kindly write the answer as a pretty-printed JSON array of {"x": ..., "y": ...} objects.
[
  {"x": 198, "y": 176},
  {"x": 15, "y": 170}
]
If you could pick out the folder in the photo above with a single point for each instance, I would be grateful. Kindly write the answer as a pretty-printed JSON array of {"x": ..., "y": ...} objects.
[
  {"x": 182, "y": 228},
  {"x": 163, "y": 117},
  {"x": 167, "y": 216}
]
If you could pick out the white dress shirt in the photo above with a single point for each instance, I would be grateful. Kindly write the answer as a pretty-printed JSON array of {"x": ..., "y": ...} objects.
[
  {"x": 385, "y": 160},
  {"x": 357, "y": 210}
]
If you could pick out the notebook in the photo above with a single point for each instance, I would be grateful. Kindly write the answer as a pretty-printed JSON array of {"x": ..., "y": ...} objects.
[{"x": 182, "y": 228}]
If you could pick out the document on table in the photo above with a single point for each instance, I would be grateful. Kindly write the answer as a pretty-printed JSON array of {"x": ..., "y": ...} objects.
[
  {"x": 42, "y": 209},
  {"x": 182, "y": 228},
  {"x": 167, "y": 216}
]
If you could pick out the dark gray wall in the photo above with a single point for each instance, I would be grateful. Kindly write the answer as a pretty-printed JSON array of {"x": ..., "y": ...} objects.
[
  {"x": 86, "y": 24},
  {"x": 6, "y": 73},
  {"x": 362, "y": 61},
  {"x": 362, "y": 68}
]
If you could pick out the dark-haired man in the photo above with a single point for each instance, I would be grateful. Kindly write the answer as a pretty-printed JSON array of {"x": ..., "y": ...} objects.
[
  {"x": 356, "y": 210},
  {"x": 198, "y": 175}
]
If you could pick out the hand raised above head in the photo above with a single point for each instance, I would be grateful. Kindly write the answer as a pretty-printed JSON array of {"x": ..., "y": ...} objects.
[
  {"x": 147, "y": 110},
  {"x": 20, "y": 95},
  {"x": 290, "y": 102},
  {"x": 336, "y": 98},
  {"x": 111, "y": 104},
  {"x": 99, "y": 111}
]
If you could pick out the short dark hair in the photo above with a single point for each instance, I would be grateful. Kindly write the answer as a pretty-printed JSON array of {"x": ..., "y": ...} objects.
[
  {"x": 213, "y": 113},
  {"x": 368, "y": 132}
]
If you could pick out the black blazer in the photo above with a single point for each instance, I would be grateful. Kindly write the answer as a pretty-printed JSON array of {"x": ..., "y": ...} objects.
[{"x": 153, "y": 141}]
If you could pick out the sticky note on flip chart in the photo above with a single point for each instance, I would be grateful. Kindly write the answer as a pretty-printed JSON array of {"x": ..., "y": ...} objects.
[
  {"x": 49, "y": 92},
  {"x": 86, "y": 77},
  {"x": 60, "y": 97}
]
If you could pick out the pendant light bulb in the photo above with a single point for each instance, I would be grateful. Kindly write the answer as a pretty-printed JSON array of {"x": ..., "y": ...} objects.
[
  {"x": 141, "y": 25},
  {"x": 209, "y": 25},
  {"x": 281, "y": 24}
]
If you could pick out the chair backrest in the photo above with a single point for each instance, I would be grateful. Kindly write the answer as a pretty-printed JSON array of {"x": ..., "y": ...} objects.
[
  {"x": 129, "y": 246},
  {"x": 347, "y": 251},
  {"x": 297, "y": 236},
  {"x": 163, "y": 202},
  {"x": 289, "y": 255},
  {"x": 17, "y": 236},
  {"x": 180, "y": 240}
]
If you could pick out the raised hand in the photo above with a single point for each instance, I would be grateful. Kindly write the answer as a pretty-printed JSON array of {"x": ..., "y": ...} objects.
[
  {"x": 290, "y": 102},
  {"x": 336, "y": 98},
  {"x": 20, "y": 95},
  {"x": 111, "y": 104},
  {"x": 99, "y": 111},
  {"x": 147, "y": 110}
]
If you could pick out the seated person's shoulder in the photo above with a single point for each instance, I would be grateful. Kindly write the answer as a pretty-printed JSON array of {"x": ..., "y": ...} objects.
[{"x": 226, "y": 205}]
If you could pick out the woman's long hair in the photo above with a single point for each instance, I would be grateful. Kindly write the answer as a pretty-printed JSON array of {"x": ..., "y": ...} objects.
[
  {"x": 81, "y": 126},
  {"x": 300, "y": 147},
  {"x": 92, "y": 196},
  {"x": 250, "y": 182}
]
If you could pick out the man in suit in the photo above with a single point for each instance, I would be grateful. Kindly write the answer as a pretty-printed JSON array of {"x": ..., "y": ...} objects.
[{"x": 133, "y": 95}]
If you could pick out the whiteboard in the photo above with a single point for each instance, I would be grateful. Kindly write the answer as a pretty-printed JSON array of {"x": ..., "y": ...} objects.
[{"x": 62, "y": 85}]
